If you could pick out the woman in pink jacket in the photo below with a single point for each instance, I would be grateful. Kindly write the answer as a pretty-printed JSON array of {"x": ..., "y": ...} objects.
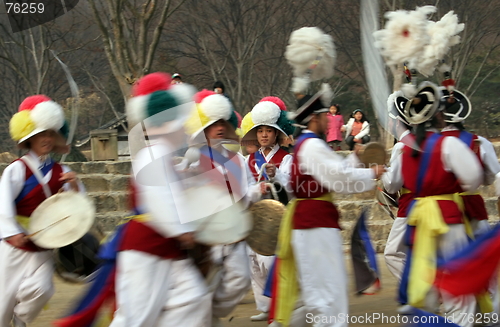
[{"x": 335, "y": 122}]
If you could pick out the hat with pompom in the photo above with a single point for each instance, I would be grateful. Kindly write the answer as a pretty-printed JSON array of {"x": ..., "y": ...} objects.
[
  {"x": 210, "y": 108},
  {"x": 270, "y": 111},
  {"x": 36, "y": 114},
  {"x": 163, "y": 107}
]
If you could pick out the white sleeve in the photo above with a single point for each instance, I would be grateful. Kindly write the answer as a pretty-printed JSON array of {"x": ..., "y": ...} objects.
[
  {"x": 497, "y": 184},
  {"x": 352, "y": 160},
  {"x": 284, "y": 171},
  {"x": 11, "y": 184},
  {"x": 253, "y": 192},
  {"x": 348, "y": 127},
  {"x": 393, "y": 177},
  {"x": 67, "y": 187},
  {"x": 459, "y": 159},
  {"x": 490, "y": 160},
  {"x": 329, "y": 169},
  {"x": 156, "y": 185}
]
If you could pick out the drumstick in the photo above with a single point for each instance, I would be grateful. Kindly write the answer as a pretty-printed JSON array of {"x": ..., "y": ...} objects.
[
  {"x": 389, "y": 211},
  {"x": 261, "y": 172},
  {"x": 41, "y": 230}
]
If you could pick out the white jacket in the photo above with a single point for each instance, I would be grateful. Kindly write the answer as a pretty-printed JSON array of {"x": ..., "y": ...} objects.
[{"x": 365, "y": 129}]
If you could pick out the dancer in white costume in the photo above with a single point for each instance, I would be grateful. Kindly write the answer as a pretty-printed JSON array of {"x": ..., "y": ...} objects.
[
  {"x": 26, "y": 270},
  {"x": 156, "y": 283},
  {"x": 267, "y": 126},
  {"x": 211, "y": 126},
  {"x": 395, "y": 249}
]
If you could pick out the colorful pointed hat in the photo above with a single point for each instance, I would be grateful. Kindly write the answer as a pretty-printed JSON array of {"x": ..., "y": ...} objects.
[
  {"x": 159, "y": 104},
  {"x": 270, "y": 111},
  {"x": 210, "y": 108},
  {"x": 36, "y": 114}
]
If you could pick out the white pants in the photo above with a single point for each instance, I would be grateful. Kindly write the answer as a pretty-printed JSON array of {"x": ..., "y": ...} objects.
[
  {"x": 322, "y": 274},
  {"x": 25, "y": 283},
  {"x": 458, "y": 306},
  {"x": 395, "y": 248},
  {"x": 156, "y": 292},
  {"x": 260, "y": 265},
  {"x": 234, "y": 280}
]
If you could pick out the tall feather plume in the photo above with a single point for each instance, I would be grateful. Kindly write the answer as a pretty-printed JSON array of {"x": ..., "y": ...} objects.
[
  {"x": 443, "y": 35},
  {"x": 409, "y": 36},
  {"x": 311, "y": 53},
  {"x": 404, "y": 35}
]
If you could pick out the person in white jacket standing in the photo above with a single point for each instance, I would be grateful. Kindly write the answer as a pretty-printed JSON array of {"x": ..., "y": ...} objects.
[{"x": 357, "y": 129}]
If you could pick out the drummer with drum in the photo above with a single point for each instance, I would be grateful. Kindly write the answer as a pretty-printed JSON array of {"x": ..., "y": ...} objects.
[
  {"x": 268, "y": 126},
  {"x": 157, "y": 284},
  {"x": 26, "y": 270},
  {"x": 211, "y": 129}
]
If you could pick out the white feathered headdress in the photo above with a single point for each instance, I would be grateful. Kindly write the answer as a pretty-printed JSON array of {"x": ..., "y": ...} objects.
[
  {"x": 404, "y": 36},
  {"x": 409, "y": 36},
  {"x": 443, "y": 35},
  {"x": 311, "y": 53}
]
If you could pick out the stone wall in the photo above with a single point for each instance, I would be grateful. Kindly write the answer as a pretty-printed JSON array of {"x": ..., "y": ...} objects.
[{"x": 107, "y": 185}]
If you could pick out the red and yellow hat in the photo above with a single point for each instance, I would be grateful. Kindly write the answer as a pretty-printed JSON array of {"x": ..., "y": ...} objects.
[{"x": 36, "y": 114}]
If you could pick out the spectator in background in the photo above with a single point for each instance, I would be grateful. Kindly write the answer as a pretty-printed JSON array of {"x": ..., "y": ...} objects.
[
  {"x": 220, "y": 89},
  {"x": 176, "y": 79},
  {"x": 357, "y": 129},
  {"x": 335, "y": 123}
]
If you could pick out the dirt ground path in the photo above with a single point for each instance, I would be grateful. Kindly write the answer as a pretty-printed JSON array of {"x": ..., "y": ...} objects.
[{"x": 382, "y": 303}]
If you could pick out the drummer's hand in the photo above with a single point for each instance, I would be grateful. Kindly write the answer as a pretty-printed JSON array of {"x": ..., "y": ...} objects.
[
  {"x": 187, "y": 240},
  {"x": 342, "y": 129},
  {"x": 70, "y": 177},
  {"x": 358, "y": 140},
  {"x": 271, "y": 170},
  {"x": 17, "y": 240},
  {"x": 263, "y": 188},
  {"x": 379, "y": 170}
]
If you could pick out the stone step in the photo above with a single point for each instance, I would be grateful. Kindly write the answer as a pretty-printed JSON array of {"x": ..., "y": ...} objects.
[
  {"x": 378, "y": 230},
  {"x": 105, "y": 182},
  {"x": 109, "y": 201},
  {"x": 101, "y": 167},
  {"x": 491, "y": 206},
  {"x": 107, "y": 221},
  {"x": 351, "y": 210},
  {"x": 94, "y": 167}
]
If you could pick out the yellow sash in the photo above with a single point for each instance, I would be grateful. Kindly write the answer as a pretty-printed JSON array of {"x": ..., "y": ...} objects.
[
  {"x": 470, "y": 193},
  {"x": 142, "y": 218},
  {"x": 288, "y": 286},
  {"x": 428, "y": 218},
  {"x": 404, "y": 191},
  {"x": 23, "y": 221}
]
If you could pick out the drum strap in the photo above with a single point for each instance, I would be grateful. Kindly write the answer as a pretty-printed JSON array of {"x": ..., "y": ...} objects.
[{"x": 31, "y": 165}]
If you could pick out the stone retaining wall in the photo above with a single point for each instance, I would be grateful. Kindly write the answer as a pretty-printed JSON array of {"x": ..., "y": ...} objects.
[{"x": 107, "y": 185}]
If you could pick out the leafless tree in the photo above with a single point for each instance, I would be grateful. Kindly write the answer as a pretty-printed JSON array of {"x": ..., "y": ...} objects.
[{"x": 131, "y": 30}]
